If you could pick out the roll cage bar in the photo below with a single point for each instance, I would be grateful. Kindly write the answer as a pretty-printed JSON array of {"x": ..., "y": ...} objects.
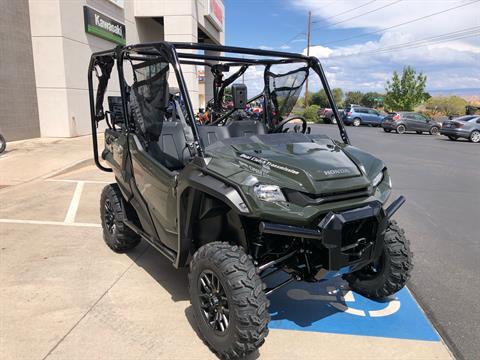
[{"x": 169, "y": 52}]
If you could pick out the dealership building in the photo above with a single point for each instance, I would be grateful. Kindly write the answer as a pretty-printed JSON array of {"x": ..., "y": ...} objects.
[{"x": 46, "y": 46}]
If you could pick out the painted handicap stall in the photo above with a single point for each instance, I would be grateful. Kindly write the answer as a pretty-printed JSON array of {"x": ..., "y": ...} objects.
[{"x": 330, "y": 307}]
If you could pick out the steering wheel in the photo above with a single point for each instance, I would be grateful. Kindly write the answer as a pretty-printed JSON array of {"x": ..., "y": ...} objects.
[{"x": 281, "y": 124}]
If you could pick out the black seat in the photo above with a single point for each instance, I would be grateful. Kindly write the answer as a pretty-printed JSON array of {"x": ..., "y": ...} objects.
[
  {"x": 171, "y": 149},
  {"x": 212, "y": 134},
  {"x": 245, "y": 128}
]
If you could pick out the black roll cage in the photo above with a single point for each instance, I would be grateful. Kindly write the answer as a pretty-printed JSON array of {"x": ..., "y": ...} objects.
[{"x": 169, "y": 51}]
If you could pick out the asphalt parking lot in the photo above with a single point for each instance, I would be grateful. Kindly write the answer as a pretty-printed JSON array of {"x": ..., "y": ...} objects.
[
  {"x": 65, "y": 295},
  {"x": 441, "y": 181}
]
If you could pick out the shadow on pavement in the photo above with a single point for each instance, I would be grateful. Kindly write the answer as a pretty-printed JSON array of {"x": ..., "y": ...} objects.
[{"x": 173, "y": 280}]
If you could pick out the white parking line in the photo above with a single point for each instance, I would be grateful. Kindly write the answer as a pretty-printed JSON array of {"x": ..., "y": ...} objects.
[
  {"x": 40, "y": 222},
  {"x": 72, "y": 209},
  {"x": 77, "y": 181}
]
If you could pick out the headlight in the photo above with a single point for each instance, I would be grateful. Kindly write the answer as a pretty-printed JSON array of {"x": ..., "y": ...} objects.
[
  {"x": 269, "y": 193},
  {"x": 378, "y": 179}
]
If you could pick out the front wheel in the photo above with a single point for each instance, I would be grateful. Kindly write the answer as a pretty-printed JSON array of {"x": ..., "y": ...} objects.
[
  {"x": 229, "y": 304},
  {"x": 356, "y": 122},
  {"x": 390, "y": 272},
  {"x": 475, "y": 136},
  {"x": 3, "y": 144},
  {"x": 387, "y": 130},
  {"x": 433, "y": 130}
]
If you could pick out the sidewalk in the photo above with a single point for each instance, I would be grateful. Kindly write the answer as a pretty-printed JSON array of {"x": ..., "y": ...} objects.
[{"x": 27, "y": 160}]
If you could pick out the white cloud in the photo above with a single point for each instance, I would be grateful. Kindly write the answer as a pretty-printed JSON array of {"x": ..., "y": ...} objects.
[
  {"x": 265, "y": 47},
  {"x": 284, "y": 47},
  {"x": 367, "y": 65}
]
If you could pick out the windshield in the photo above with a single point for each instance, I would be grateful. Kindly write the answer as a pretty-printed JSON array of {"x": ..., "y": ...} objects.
[
  {"x": 464, "y": 118},
  {"x": 284, "y": 89}
]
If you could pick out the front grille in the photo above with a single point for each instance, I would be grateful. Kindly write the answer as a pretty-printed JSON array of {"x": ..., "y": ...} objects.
[{"x": 304, "y": 199}]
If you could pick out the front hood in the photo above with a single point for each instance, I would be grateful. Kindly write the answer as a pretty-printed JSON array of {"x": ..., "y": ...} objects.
[
  {"x": 320, "y": 160},
  {"x": 308, "y": 163}
]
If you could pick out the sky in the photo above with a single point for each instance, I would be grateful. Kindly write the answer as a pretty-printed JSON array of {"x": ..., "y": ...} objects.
[{"x": 361, "y": 43}]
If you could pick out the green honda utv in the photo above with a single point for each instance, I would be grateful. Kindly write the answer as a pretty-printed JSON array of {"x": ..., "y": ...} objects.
[{"x": 237, "y": 195}]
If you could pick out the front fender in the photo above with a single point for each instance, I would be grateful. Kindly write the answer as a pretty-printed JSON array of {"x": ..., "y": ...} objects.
[{"x": 192, "y": 183}]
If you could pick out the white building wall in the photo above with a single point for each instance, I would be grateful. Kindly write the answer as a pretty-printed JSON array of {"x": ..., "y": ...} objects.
[{"x": 62, "y": 50}]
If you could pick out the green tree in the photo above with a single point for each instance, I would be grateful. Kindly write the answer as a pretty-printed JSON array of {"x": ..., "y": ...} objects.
[
  {"x": 372, "y": 99},
  {"x": 320, "y": 97},
  {"x": 407, "y": 91},
  {"x": 353, "y": 97},
  {"x": 311, "y": 113},
  {"x": 338, "y": 96},
  {"x": 446, "y": 105}
]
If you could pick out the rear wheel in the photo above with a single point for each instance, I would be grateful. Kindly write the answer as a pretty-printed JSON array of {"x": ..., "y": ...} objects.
[
  {"x": 419, "y": 132},
  {"x": 453, "y": 138},
  {"x": 113, "y": 212},
  {"x": 230, "y": 306},
  {"x": 356, "y": 122},
  {"x": 3, "y": 144},
  {"x": 475, "y": 136},
  {"x": 434, "y": 130},
  {"x": 401, "y": 129},
  {"x": 387, "y": 130},
  {"x": 390, "y": 272}
]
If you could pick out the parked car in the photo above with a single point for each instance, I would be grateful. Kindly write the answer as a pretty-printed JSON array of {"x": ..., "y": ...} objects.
[
  {"x": 467, "y": 127},
  {"x": 359, "y": 115},
  {"x": 402, "y": 122},
  {"x": 327, "y": 115},
  {"x": 3, "y": 142}
]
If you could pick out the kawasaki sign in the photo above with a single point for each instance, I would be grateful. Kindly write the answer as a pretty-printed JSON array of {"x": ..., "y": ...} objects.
[{"x": 103, "y": 26}]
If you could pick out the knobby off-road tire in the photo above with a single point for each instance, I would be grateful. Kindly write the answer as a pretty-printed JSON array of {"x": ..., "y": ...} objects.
[
  {"x": 238, "y": 289},
  {"x": 392, "y": 270},
  {"x": 113, "y": 211},
  {"x": 3, "y": 144}
]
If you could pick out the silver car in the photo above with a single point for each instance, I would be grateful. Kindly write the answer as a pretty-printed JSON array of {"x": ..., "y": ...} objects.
[
  {"x": 467, "y": 127},
  {"x": 3, "y": 142}
]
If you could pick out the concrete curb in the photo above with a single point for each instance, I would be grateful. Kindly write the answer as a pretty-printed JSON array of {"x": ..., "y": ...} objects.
[{"x": 68, "y": 168}]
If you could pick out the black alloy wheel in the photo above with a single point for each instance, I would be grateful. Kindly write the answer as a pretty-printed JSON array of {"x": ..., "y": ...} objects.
[{"x": 213, "y": 301}]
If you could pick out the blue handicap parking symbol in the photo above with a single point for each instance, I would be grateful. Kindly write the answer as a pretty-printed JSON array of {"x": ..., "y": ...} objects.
[{"x": 331, "y": 307}]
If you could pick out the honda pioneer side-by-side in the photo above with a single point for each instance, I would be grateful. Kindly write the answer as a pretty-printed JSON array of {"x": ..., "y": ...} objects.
[{"x": 241, "y": 194}]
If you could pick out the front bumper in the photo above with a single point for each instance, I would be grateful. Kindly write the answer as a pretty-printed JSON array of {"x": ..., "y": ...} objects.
[
  {"x": 455, "y": 132},
  {"x": 352, "y": 238}
]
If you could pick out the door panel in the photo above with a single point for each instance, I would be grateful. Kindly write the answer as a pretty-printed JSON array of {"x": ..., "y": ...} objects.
[
  {"x": 115, "y": 154},
  {"x": 156, "y": 185},
  {"x": 411, "y": 122}
]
